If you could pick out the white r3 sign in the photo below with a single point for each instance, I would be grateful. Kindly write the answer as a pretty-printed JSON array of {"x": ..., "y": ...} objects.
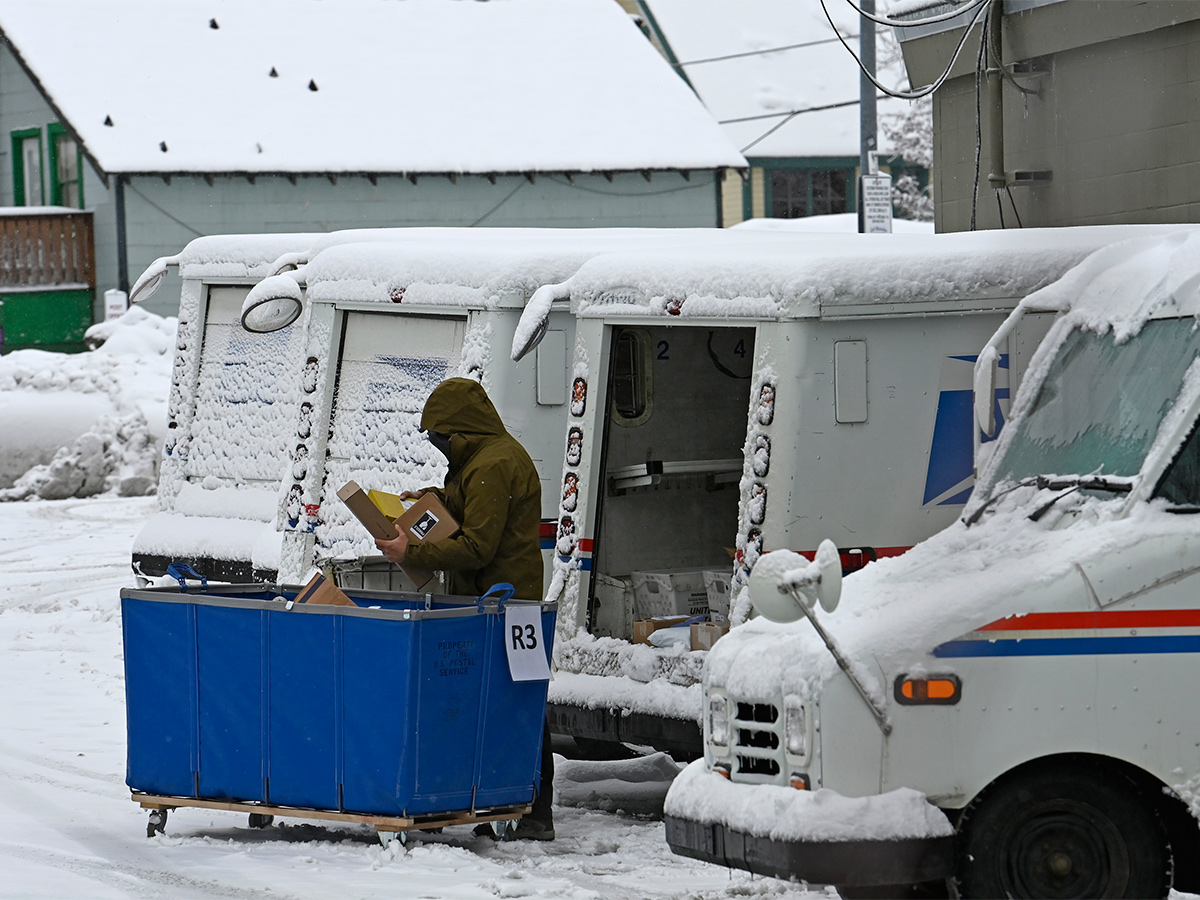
[{"x": 524, "y": 642}]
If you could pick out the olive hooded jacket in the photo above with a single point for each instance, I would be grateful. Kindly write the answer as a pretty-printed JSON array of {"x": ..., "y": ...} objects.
[{"x": 492, "y": 489}]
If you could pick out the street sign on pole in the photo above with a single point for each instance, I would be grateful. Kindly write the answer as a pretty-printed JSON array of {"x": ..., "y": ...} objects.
[{"x": 876, "y": 193}]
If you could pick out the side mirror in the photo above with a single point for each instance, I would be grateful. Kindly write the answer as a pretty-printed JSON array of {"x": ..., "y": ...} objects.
[
  {"x": 149, "y": 281},
  {"x": 535, "y": 318},
  {"x": 289, "y": 262},
  {"x": 985, "y": 391},
  {"x": 532, "y": 340},
  {"x": 272, "y": 304},
  {"x": 784, "y": 586}
]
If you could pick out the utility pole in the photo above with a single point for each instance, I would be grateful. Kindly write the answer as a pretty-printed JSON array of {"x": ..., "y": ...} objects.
[
  {"x": 868, "y": 141},
  {"x": 866, "y": 89},
  {"x": 874, "y": 190}
]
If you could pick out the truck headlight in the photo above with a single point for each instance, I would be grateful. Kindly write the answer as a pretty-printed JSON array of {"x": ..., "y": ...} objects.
[
  {"x": 795, "y": 727},
  {"x": 718, "y": 720}
]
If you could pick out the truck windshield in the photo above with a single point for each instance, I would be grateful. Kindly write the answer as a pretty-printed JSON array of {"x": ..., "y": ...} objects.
[{"x": 1101, "y": 403}]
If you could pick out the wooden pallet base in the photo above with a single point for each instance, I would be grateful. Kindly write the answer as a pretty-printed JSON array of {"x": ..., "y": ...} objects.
[{"x": 381, "y": 823}]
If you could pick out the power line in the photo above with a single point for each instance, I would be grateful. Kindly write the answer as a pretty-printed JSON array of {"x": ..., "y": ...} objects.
[
  {"x": 789, "y": 113},
  {"x": 174, "y": 219},
  {"x": 928, "y": 89},
  {"x": 520, "y": 184},
  {"x": 696, "y": 62}
]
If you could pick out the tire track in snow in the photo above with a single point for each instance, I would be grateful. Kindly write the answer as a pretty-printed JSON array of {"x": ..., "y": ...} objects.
[
  {"x": 107, "y": 780},
  {"x": 106, "y": 856},
  {"x": 135, "y": 880}
]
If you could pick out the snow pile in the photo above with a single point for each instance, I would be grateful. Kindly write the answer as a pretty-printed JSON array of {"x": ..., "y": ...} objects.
[
  {"x": 82, "y": 424},
  {"x": 836, "y": 223},
  {"x": 636, "y": 786},
  {"x": 606, "y": 672},
  {"x": 787, "y": 814}
]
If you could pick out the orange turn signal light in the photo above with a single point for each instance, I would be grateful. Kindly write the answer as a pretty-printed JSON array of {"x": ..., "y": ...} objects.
[
  {"x": 932, "y": 690},
  {"x": 799, "y": 781}
]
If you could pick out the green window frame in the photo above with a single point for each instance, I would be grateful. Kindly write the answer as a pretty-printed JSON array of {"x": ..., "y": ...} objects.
[
  {"x": 823, "y": 185},
  {"x": 19, "y": 139},
  {"x": 66, "y": 170}
]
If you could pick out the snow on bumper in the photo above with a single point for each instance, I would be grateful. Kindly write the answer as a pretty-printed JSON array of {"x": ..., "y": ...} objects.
[{"x": 820, "y": 837}]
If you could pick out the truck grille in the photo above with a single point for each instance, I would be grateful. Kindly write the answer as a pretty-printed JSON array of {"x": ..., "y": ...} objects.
[{"x": 756, "y": 748}]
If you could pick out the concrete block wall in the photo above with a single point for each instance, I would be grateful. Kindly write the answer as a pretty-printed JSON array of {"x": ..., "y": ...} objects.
[{"x": 1116, "y": 122}]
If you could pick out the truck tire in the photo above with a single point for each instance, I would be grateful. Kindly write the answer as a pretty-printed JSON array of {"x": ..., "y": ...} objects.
[{"x": 1066, "y": 830}]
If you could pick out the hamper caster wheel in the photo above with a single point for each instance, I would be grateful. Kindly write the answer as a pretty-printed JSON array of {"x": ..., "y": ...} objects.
[
  {"x": 261, "y": 820},
  {"x": 387, "y": 837},
  {"x": 156, "y": 823},
  {"x": 497, "y": 830}
]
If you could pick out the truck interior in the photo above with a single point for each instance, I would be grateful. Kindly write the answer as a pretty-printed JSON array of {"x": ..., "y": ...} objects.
[{"x": 677, "y": 399}]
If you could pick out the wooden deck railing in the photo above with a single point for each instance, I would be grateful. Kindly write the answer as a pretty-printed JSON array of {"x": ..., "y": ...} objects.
[{"x": 43, "y": 248}]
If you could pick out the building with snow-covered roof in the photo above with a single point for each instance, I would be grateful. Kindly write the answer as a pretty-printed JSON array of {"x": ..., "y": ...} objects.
[
  {"x": 172, "y": 121},
  {"x": 786, "y": 92}
]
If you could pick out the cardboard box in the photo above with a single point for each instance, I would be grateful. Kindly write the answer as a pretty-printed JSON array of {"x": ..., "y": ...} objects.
[
  {"x": 670, "y": 592},
  {"x": 426, "y": 519},
  {"x": 359, "y": 502},
  {"x": 643, "y": 628},
  {"x": 321, "y": 590},
  {"x": 705, "y": 634}
]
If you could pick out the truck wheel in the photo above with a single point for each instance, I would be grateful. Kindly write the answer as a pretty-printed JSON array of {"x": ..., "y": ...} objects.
[{"x": 1062, "y": 831}]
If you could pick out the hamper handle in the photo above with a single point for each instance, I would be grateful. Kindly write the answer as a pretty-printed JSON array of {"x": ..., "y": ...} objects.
[
  {"x": 504, "y": 589},
  {"x": 178, "y": 571}
]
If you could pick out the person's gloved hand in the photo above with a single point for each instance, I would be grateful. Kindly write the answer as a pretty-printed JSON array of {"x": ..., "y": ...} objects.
[{"x": 394, "y": 550}]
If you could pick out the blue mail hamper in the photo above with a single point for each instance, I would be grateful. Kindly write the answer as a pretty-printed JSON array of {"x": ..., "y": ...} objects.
[{"x": 400, "y": 706}]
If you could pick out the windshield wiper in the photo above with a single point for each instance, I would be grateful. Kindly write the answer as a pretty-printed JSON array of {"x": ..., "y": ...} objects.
[
  {"x": 1074, "y": 483},
  {"x": 1067, "y": 484}
]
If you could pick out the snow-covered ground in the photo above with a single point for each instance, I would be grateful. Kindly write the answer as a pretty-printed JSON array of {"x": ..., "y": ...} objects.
[{"x": 69, "y": 829}]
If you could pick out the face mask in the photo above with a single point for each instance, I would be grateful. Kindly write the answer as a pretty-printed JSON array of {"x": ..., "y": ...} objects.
[{"x": 441, "y": 443}]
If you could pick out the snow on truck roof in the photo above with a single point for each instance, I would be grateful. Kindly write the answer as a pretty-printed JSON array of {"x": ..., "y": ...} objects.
[
  {"x": 255, "y": 255},
  {"x": 1149, "y": 276},
  {"x": 362, "y": 86},
  {"x": 812, "y": 272},
  {"x": 259, "y": 255},
  {"x": 476, "y": 266}
]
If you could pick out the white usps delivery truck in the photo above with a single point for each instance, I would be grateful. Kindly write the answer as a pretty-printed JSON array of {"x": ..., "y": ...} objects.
[
  {"x": 730, "y": 400},
  {"x": 347, "y": 333},
  {"x": 1009, "y": 704}
]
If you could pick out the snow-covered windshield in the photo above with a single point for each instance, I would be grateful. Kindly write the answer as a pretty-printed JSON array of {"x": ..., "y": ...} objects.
[{"x": 1101, "y": 403}]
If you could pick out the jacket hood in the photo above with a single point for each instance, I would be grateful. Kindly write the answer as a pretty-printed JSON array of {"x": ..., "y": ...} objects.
[{"x": 461, "y": 406}]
